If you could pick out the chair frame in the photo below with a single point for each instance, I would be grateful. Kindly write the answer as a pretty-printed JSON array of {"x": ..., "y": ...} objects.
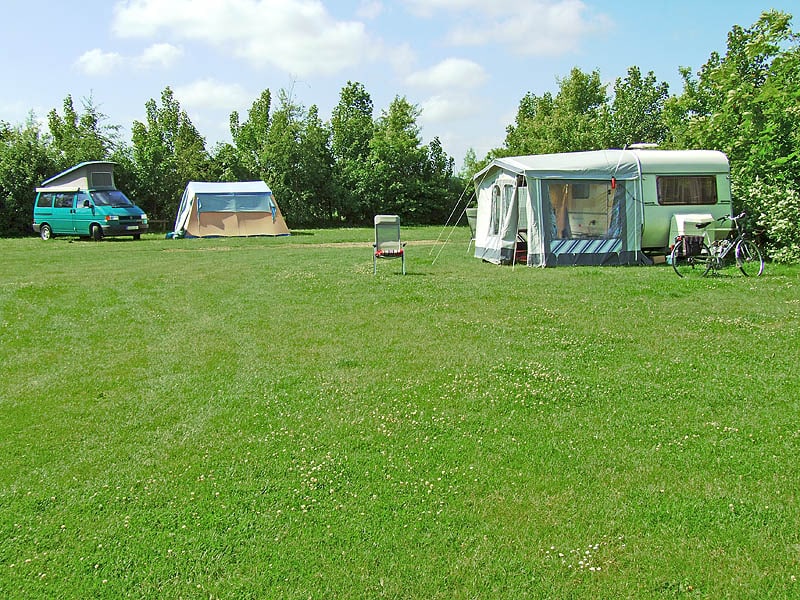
[{"x": 396, "y": 247}]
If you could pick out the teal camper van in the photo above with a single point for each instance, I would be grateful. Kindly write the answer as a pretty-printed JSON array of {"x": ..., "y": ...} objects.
[{"x": 84, "y": 201}]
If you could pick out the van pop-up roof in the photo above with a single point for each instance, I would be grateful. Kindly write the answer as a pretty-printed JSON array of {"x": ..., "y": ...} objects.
[{"x": 92, "y": 175}]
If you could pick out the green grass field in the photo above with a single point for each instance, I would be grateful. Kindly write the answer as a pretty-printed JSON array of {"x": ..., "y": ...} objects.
[{"x": 264, "y": 418}]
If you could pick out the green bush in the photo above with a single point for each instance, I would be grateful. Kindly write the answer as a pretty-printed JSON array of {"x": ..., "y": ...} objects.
[{"x": 776, "y": 207}]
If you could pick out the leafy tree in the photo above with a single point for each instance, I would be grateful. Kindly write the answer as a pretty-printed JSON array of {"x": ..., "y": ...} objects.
[
  {"x": 316, "y": 169},
  {"x": 168, "y": 153},
  {"x": 290, "y": 150},
  {"x": 352, "y": 129},
  {"x": 281, "y": 162},
  {"x": 250, "y": 138},
  {"x": 568, "y": 122},
  {"x": 26, "y": 159},
  {"x": 471, "y": 165},
  {"x": 81, "y": 137},
  {"x": 397, "y": 161},
  {"x": 440, "y": 187},
  {"x": 778, "y": 212},
  {"x": 580, "y": 101},
  {"x": 745, "y": 104},
  {"x": 226, "y": 164},
  {"x": 636, "y": 113},
  {"x": 531, "y": 132}
]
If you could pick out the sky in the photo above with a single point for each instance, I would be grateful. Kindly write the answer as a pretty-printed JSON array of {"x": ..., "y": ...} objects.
[{"x": 465, "y": 64}]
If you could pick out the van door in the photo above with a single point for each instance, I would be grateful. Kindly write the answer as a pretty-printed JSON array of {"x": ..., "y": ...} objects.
[
  {"x": 63, "y": 211},
  {"x": 84, "y": 214}
]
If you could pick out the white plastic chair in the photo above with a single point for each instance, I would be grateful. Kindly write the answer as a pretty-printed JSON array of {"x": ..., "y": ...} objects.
[{"x": 387, "y": 241}]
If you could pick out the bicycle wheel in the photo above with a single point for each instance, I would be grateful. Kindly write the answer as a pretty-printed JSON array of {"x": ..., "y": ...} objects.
[
  {"x": 696, "y": 265},
  {"x": 748, "y": 258}
]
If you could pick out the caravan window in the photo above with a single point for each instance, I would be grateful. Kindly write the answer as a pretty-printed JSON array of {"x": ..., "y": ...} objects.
[
  {"x": 494, "y": 224},
  {"x": 522, "y": 222},
  {"x": 584, "y": 209},
  {"x": 687, "y": 189},
  {"x": 508, "y": 198}
]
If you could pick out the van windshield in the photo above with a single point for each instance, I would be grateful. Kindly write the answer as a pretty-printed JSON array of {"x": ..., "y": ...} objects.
[{"x": 112, "y": 198}]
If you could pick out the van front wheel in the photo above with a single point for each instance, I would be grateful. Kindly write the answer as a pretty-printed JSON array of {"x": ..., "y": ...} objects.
[
  {"x": 45, "y": 232},
  {"x": 96, "y": 232}
]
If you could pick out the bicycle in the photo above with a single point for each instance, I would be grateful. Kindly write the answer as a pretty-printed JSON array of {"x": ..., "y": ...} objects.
[{"x": 692, "y": 257}]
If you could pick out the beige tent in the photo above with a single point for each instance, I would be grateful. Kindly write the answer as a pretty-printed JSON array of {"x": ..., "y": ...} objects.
[{"x": 239, "y": 208}]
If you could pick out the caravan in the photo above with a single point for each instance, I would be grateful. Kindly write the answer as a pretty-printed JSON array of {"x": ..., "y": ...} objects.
[{"x": 597, "y": 207}]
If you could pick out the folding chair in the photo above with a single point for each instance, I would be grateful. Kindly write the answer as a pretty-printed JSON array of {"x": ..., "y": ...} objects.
[{"x": 387, "y": 241}]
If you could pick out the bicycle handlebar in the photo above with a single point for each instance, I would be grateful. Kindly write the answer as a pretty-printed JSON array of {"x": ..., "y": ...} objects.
[{"x": 731, "y": 218}]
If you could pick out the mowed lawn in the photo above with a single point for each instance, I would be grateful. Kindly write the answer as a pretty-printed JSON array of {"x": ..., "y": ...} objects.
[{"x": 264, "y": 418}]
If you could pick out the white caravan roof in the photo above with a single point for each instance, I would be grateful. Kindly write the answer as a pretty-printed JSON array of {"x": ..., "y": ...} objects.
[{"x": 602, "y": 164}]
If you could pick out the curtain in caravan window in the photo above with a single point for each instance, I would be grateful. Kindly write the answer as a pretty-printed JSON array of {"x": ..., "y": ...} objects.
[
  {"x": 687, "y": 189},
  {"x": 616, "y": 220},
  {"x": 559, "y": 221}
]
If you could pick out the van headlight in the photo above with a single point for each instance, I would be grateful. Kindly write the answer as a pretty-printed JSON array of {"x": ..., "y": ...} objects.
[
  {"x": 112, "y": 217},
  {"x": 144, "y": 218}
]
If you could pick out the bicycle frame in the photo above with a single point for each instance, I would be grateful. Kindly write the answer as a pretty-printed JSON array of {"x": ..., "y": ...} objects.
[
  {"x": 721, "y": 248},
  {"x": 716, "y": 257}
]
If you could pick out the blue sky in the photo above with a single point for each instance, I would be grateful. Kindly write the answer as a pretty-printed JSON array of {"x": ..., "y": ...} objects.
[{"x": 465, "y": 63}]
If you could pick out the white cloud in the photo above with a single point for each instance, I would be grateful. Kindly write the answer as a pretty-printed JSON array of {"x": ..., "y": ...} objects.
[
  {"x": 534, "y": 28},
  {"x": 449, "y": 74},
  {"x": 97, "y": 62},
  {"x": 402, "y": 57},
  {"x": 369, "y": 9},
  {"x": 544, "y": 29},
  {"x": 427, "y": 8},
  {"x": 210, "y": 93},
  {"x": 297, "y": 36},
  {"x": 159, "y": 55},
  {"x": 445, "y": 108}
]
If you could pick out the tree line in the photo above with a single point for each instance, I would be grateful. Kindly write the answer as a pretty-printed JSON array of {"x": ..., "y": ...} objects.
[
  {"x": 745, "y": 103},
  {"x": 323, "y": 173}
]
